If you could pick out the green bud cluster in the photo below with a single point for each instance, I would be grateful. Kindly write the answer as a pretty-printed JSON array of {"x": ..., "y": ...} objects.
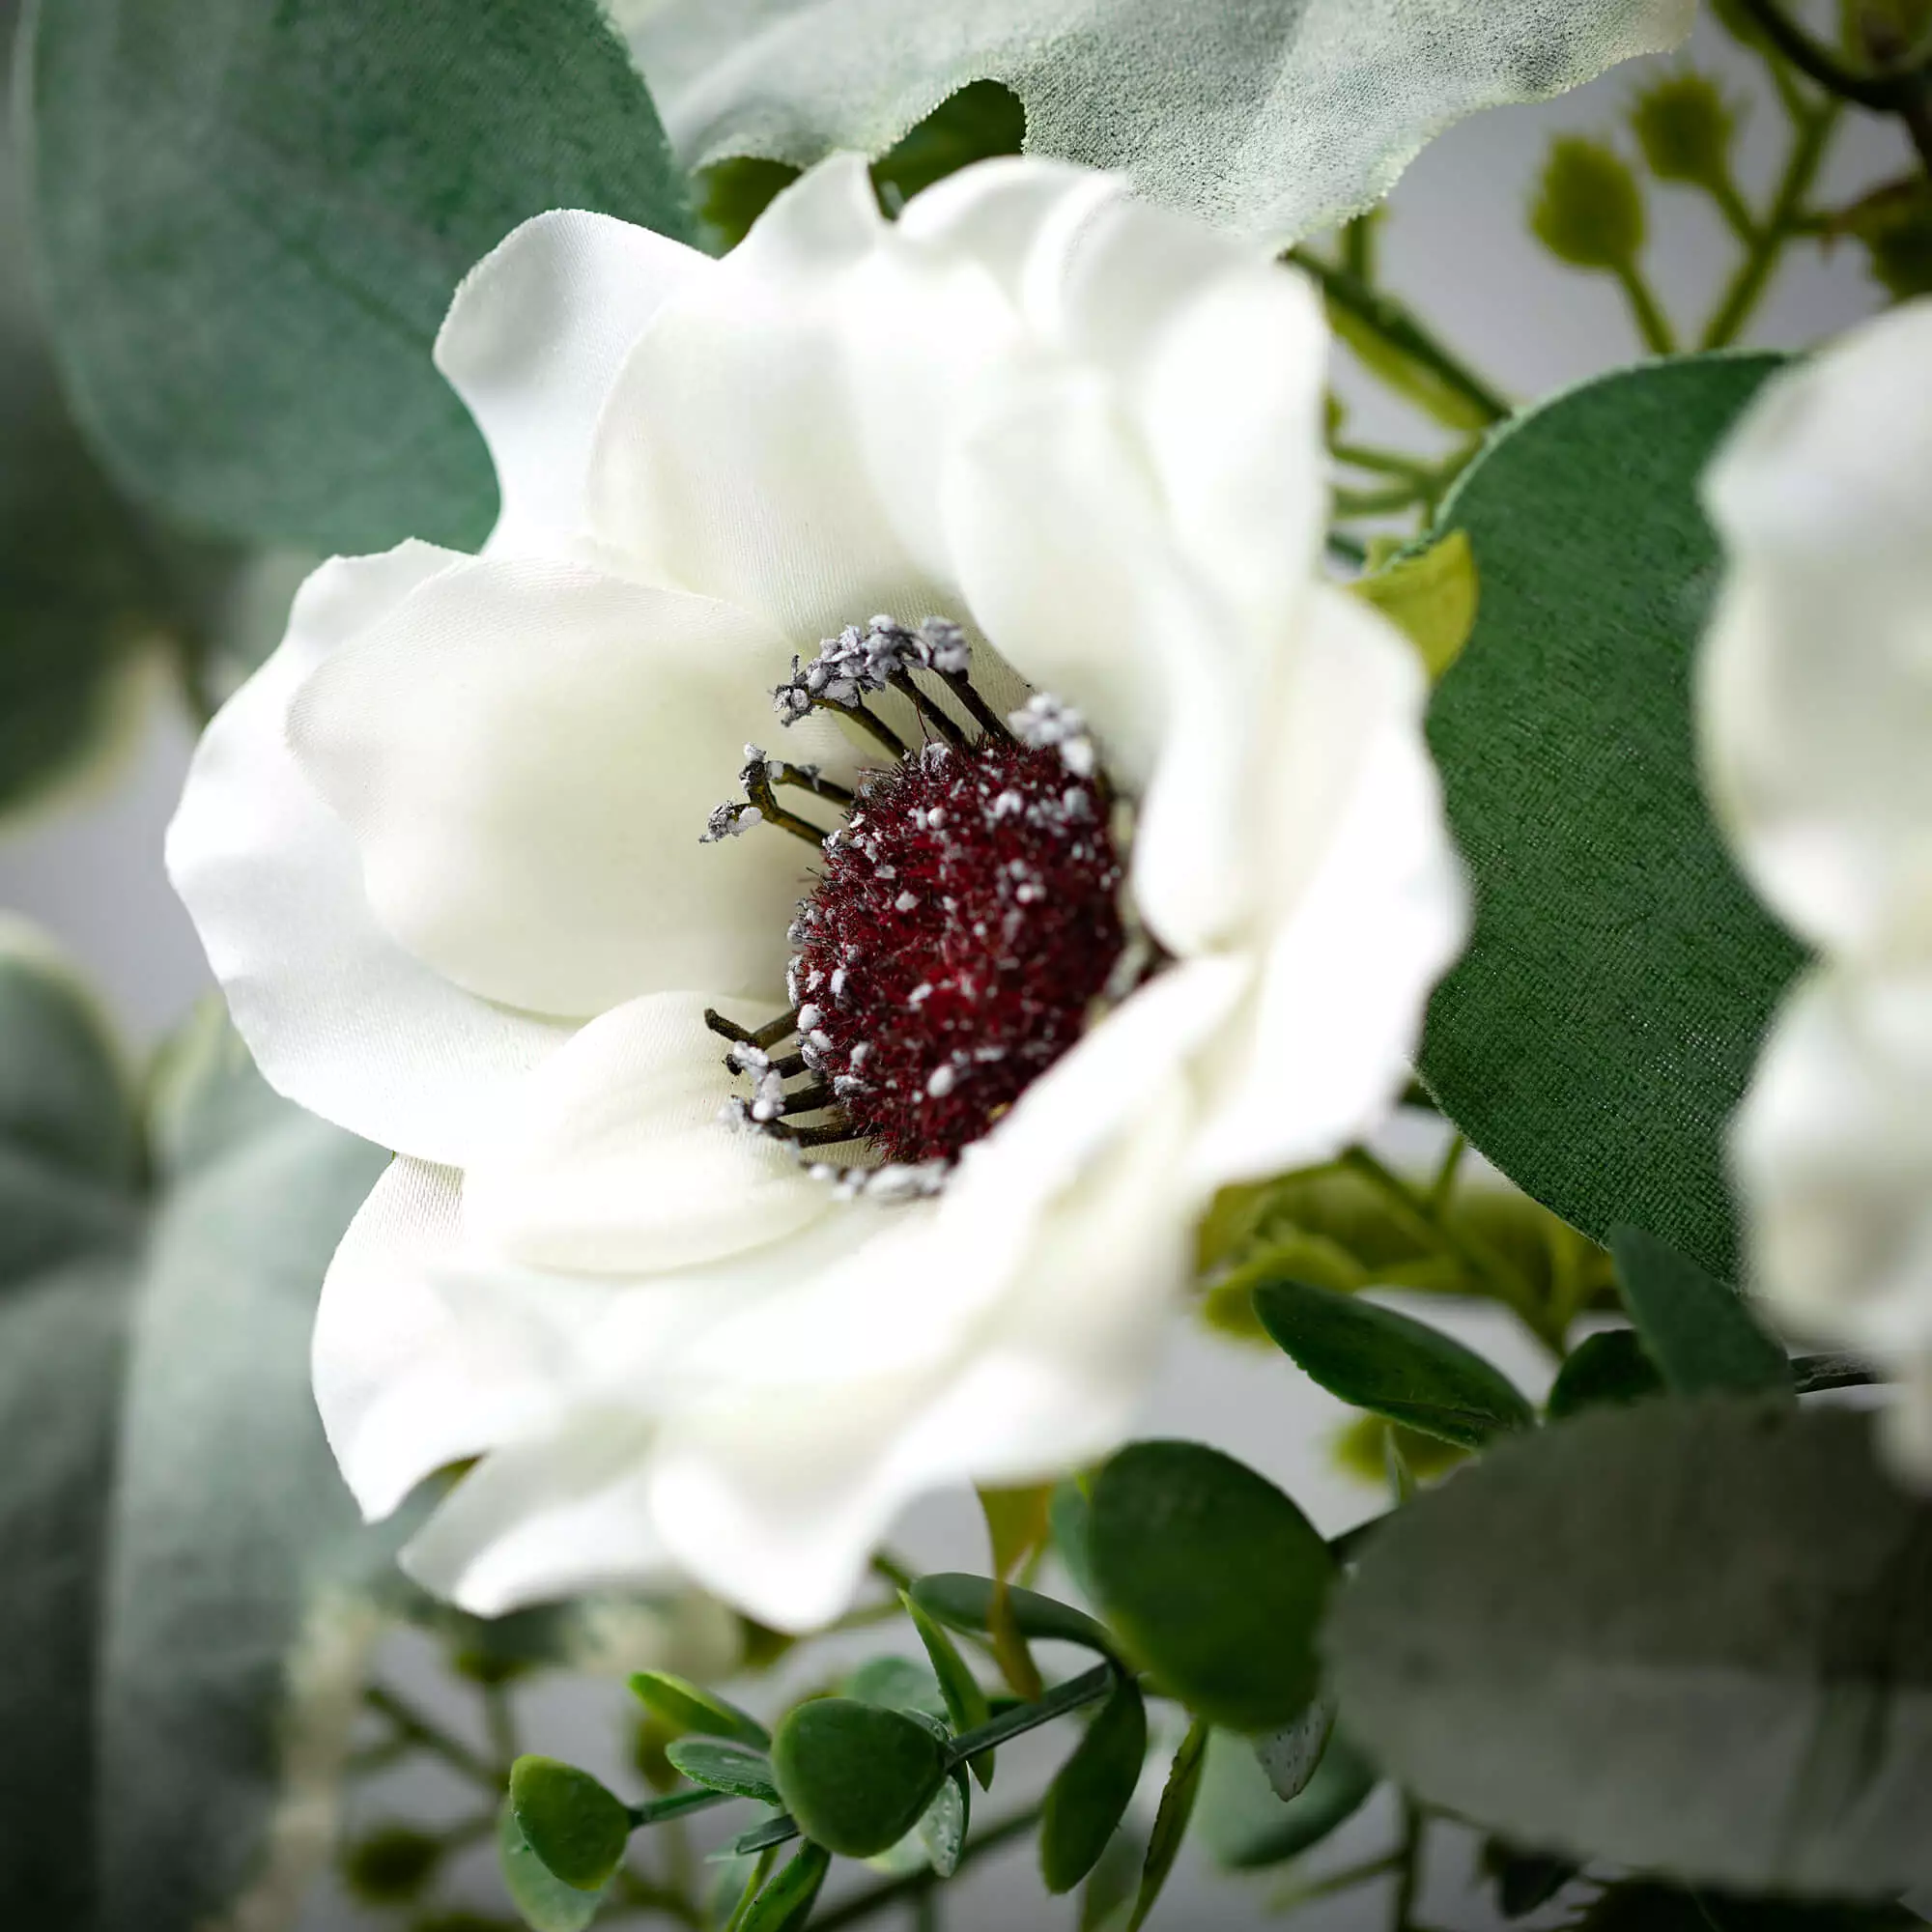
[
  {"x": 1589, "y": 208},
  {"x": 1686, "y": 128}
]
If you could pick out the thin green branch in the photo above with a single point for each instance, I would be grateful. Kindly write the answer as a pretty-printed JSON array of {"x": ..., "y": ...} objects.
[
  {"x": 1652, "y": 323},
  {"x": 1408, "y": 1870},
  {"x": 420, "y": 1731},
  {"x": 1879, "y": 92},
  {"x": 916, "y": 1885},
  {"x": 1023, "y": 1718},
  {"x": 1347, "y": 1879}
]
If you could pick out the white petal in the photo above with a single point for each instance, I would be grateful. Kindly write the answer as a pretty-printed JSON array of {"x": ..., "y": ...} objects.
[
  {"x": 1369, "y": 907},
  {"x": 533, "y": 343},
  {"x": 337, "y": 1016},
  {"x": 728, "y": 456},
  {"x": 1816, "y": 679},
  {"x": 615, "y": 1159},
  {"x": 1832, "y": 1155},
  {"x": 527, "y": 752}
]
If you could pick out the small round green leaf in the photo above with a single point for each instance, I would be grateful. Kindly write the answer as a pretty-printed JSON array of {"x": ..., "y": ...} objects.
[
  {"x": 681, "y": 1703},
  {"x": 965, "y": 1602},
  {"x": 1214, "y": 1578},
  {"x": 573, "y": 1825},
  {"x": 1696, "y": 1330},
  {"x": 856, "y": 1776},
  {"x": 785, "y": 1903},
  {"x": 1246, "y": 1826},
  {"x": 1603, "y": 1370},
  {"x": 1092, "y": 1790},
  {"x": 1391, "y": 1364},
  {"x": 723, "y": 1767},
  {"x": 546, "y": 1902}
]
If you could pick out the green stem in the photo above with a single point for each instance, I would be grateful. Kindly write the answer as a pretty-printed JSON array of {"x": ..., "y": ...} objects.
[
  {"x": 1652, "y": 323},
  {"x": 916, "y": 1885},
  {"x": 1383, "y": 461},
  {"x": 1409, "y": 1881},
  {"x": 679, "y": 1804},
  {"x": 1738, "y": 217},
  {"x": 500, "y": 1723},
  {"x": 1377, "y": 502},
  {"x": 419, "y": 1730},
  {"x": 1397, "y": 324},
  {"x": 1443, "y": 1187},
  {"x": 1346, "y": 549},
  {"x": 1024, "y": 1718},
  {"x": 1879, "y": 92},
  {"x": 1747, "y": 286},
  {"x": 1347, "y": 1879}
]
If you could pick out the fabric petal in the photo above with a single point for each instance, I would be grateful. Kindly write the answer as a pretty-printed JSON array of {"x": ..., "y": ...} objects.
[
  {"x": 534, "y": 340},
  {"x": 1815, "y": 683},
  {"x": 337, "y": 1016},
  {"x": 527, "y": 752},
  {"x": 615, "y": 1160}
]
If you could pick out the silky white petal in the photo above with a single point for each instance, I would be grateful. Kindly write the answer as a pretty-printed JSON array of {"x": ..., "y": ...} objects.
[
  {"x": 534, "y": 340},
  {"x": 729, "y": 460},
  {"x": 1816, "y": 678},
  {"x": 1369, "y": 907},
  {"x": 615, "y": 1159},
  {"x": 1832, "y": 1155},
  {"x": 337, "y": 1016},
  {"x": 527, "y": 752}
]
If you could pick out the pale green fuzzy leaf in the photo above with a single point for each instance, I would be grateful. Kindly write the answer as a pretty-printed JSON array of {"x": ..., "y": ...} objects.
[
  {"x": 1273, "y": 117},
  {"x": 1430, "y": 596}
]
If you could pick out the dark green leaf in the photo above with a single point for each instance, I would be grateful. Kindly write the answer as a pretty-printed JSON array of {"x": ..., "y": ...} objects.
[
  {"x": 547, "y": 1903},
  {"x": 746, "y": 1774},
  {"x": 1644, "y": 1906},
  {"x": 569, "y": 1821},
  {"x": 1213, "y": 1577},
  {"x": 252, "y": 221},
  {"x": 1697, "y": 1330},
  {"x": 1600, "y": 1029},
  {"x": 899, "y": 1684},
  {"x": 1524, "y": 1880},
  {"x": 1391, "y": 1364},
  {"x": 1066, "y": 1517},
  {"x": 965, "y": 1701},
  {"x": 1246, "y": 1826},
  {"x": 682, "y": 1703},
  {"x": 1694, "y": 1636},
  {"x": 1170, "y": 1823},
  {"x": 1090, "y": 1792},
  {"x": 856, "y": 1776},
  {"x": 965, "y": 1602},
  {"x": 1113, "y": 1882},
  {"x": 785, "y": 1903},
  {"x": 1290, "y": 1756},
  {"x": 1602, "y": 1369}
]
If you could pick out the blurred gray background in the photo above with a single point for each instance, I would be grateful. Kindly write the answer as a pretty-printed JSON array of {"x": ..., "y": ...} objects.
[{"x": 88, "y": 867}]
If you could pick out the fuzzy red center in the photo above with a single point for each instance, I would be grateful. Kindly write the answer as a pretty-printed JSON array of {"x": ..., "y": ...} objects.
[{"x": 966, "y": 917}]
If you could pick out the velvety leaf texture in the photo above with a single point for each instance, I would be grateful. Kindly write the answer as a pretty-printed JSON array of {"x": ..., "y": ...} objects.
[
  {"x": 1717, "y": 1663},
  {"x": 1274, "y": 116},
  {"x": 251, "y": 220},
  {"x": 1602, "y": 1027}
]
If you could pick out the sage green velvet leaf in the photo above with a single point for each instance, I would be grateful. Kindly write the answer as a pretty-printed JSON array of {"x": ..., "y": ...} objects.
[
  {"x": 1391, "y": 1364},
  {"x": 574, "y": 1826},
  {"x": 1602, "y": 1024},
  {"x": 1170, "y": 1823},
  {"x": 1090, "y": 1792},
  {"x": 70, "y": 1215},
  {"x": 546, "y": 1902},
  {"x": 785, "y": 1903},
  {"x": 723, "y": 1767},
  {"x": 1245, "y": 1826},
  {"x": 1698, "y": 1331},
  {"x": 857, "y": 1776},
  {"x": 965, "y": 1602},
  {"x": 1213, "y": 1577},
  {"x": 1276, "y": 117},
  {"x": 1693, "y": 1638},
  {"x": 252, "y": 221},
  {"x": 1610, "y": 1368},
  {"x": 690, "y": 1707}
]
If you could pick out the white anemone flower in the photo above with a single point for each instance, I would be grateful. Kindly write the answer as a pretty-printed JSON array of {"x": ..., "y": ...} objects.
[
  {"x": 763, "y": 1164},
  {"x": 1816, "y": 708}
]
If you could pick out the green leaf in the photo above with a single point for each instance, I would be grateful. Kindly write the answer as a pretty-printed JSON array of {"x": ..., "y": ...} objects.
[
  {"x": 732, "y": 1768},
  {"x": 965, "y": 1701},
  {"x": 1245, "y": 1826},
  {"x": 1290, "y": 1756},
  {"x": 684, "y": 1704},
  {"x": 1696, "y": 1331},
  {"x": 569, "y": 1821},
  {"x": 964, "y": 1602},
  {"x": 1430, "y": 596},
  {"x": 546, "y": 1902},
  {"x": 1610, "y": 1367},
  {"x": 1688, "y": 1636},
  {"x": 1641, "y": 1905},
  {"x": 785, "y": 1903},
  {"x": 1090, "y": 1792},
  {"x": 943, "y": 1828},
  {"x": 251, "y": 222},
  {"x": 1391, "y": 1364},
  {"x": 856, "y": 1776},
  {"x": 1067, "y": 1515},
  {"x": 1601, "y": 1029},
  {"x": 1524, "y": 1880},
  {"x": 1276, "y": 118},
  {"x": 1170, "y": 1823},
  {"x": 1214, "y": 1578},
  {"x": 899, "y": 1684}
]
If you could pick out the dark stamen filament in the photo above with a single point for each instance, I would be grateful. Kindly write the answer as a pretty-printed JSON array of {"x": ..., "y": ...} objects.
[{"x": 940, "y": 721}]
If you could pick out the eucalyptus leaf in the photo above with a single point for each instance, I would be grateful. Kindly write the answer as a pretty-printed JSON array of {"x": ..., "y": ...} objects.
[
  {"x": 1171, "y": 1820},
  {"x": 723, "y": 1767},
  {"x": 965, "y": 1700},
  {"x": 965, "y": 1602},
  {"x": 856, "y": 1776},
  {"x": 250, "y": 222},
  {"x": 1601, "y": 1027},
  {"x": 899, "y": 1684},
  {"x": 1276, "y": 117},
  {"x": 1213, "y": 1577},
  {"x": 1246, "y": 1826},
  {"x": 1611, "y": 1367},
  {"x": 568, "y": 1819},
  {"x": 1696, "y": 1331},
  {"x": 1290, "y": 1756},
  {"x": 690, "y": 1707},
  {"x": 546, "y": 1902},
  {"x": 1692, "y": 1638},
  {"x": 1090, "y": 1792},
  {"x": 1391, "y": 1364}
]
